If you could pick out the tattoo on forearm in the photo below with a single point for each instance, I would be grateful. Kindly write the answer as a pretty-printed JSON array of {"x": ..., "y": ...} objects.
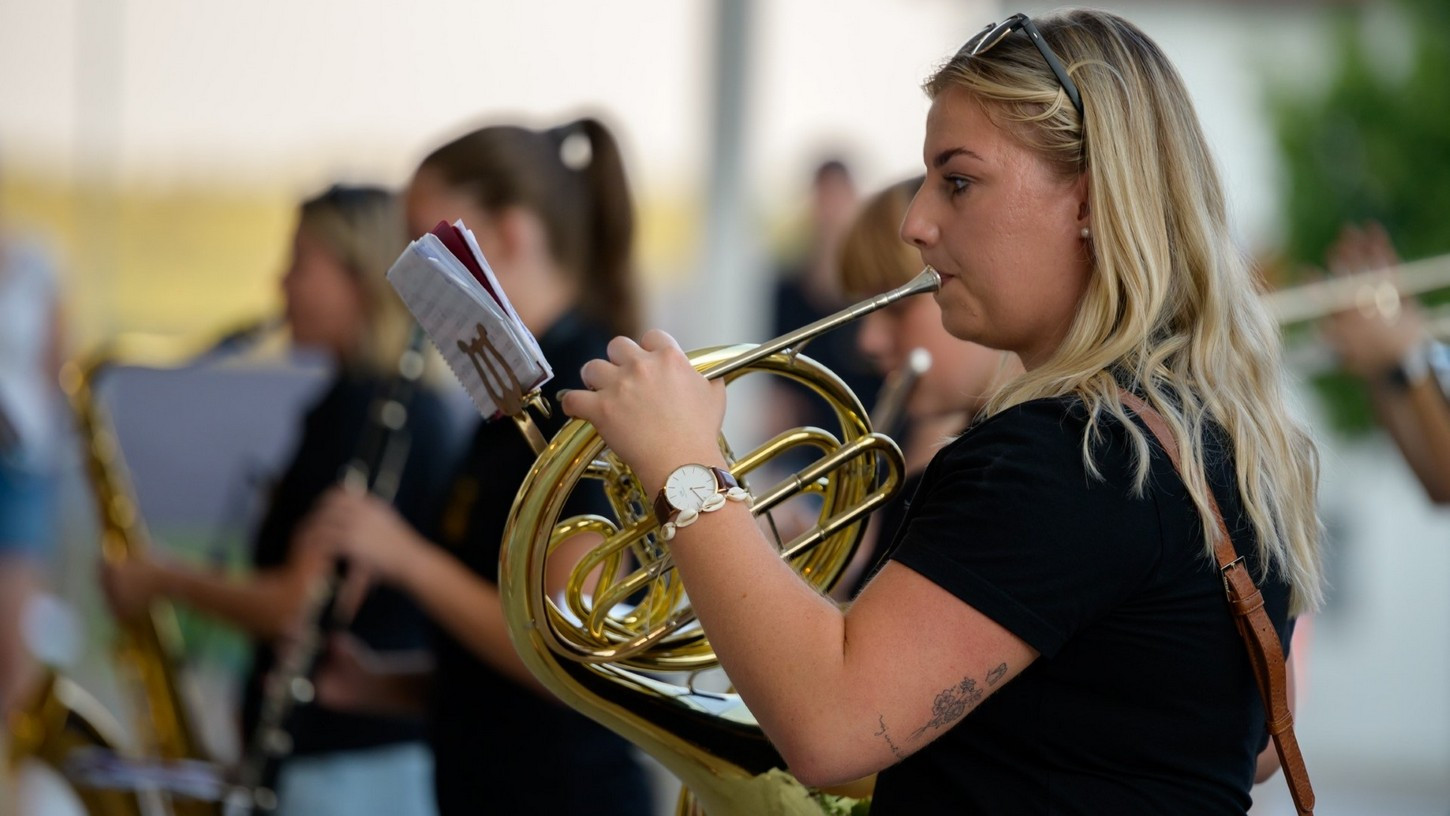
[
  {"x": 951, "y": 705},
  {"x": 996, "y": 674},
  {"x": 889, "y": 743}
]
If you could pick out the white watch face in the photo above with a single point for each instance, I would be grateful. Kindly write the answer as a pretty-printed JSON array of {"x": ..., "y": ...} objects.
[{"x": 689, "y": 487}]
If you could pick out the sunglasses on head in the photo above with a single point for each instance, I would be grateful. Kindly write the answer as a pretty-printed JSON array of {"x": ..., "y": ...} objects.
[{"x": 996, "y": 32}]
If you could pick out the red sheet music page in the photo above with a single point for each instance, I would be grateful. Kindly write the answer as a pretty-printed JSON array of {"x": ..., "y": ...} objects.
[{"x": 455, "y": 242}]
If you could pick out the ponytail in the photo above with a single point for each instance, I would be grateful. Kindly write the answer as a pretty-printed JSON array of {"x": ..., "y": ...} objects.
[
  {"x": 612, "y": 296},
  {"x": 572, "y": 177}
]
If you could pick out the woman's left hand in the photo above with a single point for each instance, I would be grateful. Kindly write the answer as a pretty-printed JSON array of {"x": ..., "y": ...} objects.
[{"x": 651, "y": 407}]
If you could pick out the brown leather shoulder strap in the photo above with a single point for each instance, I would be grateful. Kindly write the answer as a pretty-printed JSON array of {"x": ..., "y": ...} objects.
[{"x": 1247, "y": 605}]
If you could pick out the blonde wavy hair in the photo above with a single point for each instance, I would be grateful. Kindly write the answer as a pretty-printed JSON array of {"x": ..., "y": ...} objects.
[{"x": 1171, "y": 309}]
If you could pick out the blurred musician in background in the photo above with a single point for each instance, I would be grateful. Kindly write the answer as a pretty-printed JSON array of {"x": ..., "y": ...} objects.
[
  {"x": 1404, "y": 369},
  {"x": 339, "y": 302},
  {"x": 808, "y": 287},
  {"x": 960, "y": 377},
  {"x": 552, "y": 212}
]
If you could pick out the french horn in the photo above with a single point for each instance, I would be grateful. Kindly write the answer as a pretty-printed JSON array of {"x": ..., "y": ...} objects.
[{"x": 624, "y": 624}]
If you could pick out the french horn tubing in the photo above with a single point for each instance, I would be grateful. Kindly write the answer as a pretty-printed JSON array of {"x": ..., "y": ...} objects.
[{"x": 625, "y": 622}]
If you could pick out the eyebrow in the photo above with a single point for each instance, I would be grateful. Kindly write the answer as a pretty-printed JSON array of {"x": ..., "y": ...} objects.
[{"x": 947, "y": 155}]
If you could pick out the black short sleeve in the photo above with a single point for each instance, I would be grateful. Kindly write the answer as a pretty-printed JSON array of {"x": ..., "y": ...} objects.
[
  {"x": 1143, "y": 700},
  {"x": 1009, "y": 520}
]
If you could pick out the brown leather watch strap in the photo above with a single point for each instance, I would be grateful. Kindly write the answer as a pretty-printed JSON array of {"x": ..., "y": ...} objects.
[{"x": 1260, "y": 638}]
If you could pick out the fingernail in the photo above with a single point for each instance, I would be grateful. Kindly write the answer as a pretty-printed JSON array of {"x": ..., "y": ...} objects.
[{"x": 559, "y": 395}]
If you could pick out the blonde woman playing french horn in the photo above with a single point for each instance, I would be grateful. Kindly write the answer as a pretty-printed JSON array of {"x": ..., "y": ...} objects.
[{"x": 1050, "y": 635}]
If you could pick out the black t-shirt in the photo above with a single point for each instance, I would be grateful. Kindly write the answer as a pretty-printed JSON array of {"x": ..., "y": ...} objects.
[
  {"x": 1142, "y": 701},
  {"x": 332, "y": 434},
  {"x": 498, "y": 747}
]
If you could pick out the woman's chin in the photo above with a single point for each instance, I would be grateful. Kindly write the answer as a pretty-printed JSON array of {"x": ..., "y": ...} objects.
[{"x": 964, "y": 328}]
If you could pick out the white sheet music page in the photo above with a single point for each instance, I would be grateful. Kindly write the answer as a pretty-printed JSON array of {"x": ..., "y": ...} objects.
[
  {"x": 500, "y": 294},
  {"x": 488, "y": 348}
]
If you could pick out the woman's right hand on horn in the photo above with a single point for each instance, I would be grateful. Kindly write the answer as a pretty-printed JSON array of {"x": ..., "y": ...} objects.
[{"x": 651, "y": 406}]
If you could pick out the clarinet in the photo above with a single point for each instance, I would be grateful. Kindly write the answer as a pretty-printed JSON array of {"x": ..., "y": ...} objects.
[{"x": 376, "y": 468}]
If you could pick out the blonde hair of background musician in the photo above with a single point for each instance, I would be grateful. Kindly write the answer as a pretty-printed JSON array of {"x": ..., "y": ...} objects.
[
  {"x": 1170, "y": 307},
  {"x": 874, "y": 259},
  {"x": 364, "y": 231}
]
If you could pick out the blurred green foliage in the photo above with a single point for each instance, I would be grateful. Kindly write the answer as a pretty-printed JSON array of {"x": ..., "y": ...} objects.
[
  {"x": 1374, "y": 146},
  {"x": 208, "y": 639}
]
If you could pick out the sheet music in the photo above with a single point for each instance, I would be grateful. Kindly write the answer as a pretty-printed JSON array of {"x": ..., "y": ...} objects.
[
  {"x": 479, "y": 333},
  {"x": 497, "y": 290}
]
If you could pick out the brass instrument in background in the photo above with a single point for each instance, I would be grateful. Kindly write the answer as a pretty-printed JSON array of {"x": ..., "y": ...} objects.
[
  {"x": 67, "y": 728},
  {"x": 896, "y": 391},
  {"x": 1374, "y": 291},
  {"x": 602, "y": 651},
  {"x": 1379, "y": 289}
]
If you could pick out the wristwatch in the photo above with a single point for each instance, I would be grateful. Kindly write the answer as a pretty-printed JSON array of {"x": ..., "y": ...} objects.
[{"x": 691, "y": 490}]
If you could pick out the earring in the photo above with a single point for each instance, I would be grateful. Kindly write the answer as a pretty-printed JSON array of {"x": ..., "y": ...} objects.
[{"x": 1086, "y": 233}]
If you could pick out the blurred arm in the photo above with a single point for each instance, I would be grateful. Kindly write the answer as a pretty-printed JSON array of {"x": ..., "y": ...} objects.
[
  {"x": 1373, "y": 343},
  {"x": 380, "y": 545},
  {"x": 1418, "y": 419},
  {"x": 266, "y": 604}
]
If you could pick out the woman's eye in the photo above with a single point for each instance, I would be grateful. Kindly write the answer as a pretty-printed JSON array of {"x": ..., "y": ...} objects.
[{"x": 956, "y": 185}]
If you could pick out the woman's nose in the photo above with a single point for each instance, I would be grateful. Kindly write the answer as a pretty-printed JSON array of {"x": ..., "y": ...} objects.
[{"x": 916, "y": 228}]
